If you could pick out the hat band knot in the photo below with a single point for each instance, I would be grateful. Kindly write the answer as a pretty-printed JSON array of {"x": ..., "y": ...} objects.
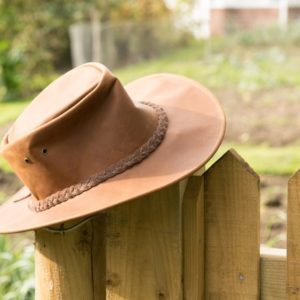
[{"x": 119, "y": 167}]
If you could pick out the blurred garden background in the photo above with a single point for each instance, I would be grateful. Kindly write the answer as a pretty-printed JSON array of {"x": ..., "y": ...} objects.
[{"x": 246, "y": 52}]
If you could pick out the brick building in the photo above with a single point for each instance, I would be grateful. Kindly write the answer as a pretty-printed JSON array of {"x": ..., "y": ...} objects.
[{"x": 228, "y": 15}]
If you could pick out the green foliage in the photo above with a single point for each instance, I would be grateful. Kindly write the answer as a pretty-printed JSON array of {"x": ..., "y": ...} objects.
[
  {"x": 9, "y": 111},
  {"x": 34, "y": 38},
  {"x": 16, "y": 270},
  {"x": 4, "y": 167},
  {"x": 10, "y": 62}
]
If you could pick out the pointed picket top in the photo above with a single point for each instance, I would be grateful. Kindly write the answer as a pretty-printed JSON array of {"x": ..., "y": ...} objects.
[
  {"x": 295, "y": 177},
  {"x": 293, "y": 237},
  {"x": 231, "y": 194},
  {"x": 232, "y": 156}
]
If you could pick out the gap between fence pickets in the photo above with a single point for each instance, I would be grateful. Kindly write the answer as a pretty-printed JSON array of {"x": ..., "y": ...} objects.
[
  {"x": 272, "y": 252},
  {"x": 273, "y": 273},
  {"x": 183, "y": 183}
]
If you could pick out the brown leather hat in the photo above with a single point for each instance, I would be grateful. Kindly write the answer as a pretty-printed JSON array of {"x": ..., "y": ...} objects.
[{"x": 87, "y": 143}]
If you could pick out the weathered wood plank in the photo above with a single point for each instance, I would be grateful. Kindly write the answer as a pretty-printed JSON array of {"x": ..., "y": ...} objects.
[
  {"x": 231, "y": 192},
  {"x": 193, "y": 239},
  {"x": 144, "y": 248},
  {"x": 134, "y": 252},
  {"x": 272, "y": 274},
  {"x": 66, "y": 264},
  {"x": 293, "y": 238}
]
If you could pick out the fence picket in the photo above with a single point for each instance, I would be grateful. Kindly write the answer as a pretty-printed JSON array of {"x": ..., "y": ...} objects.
[
  {"x": 232, "y": 217},
  {"x": 196, "y": 239},
  {"x": 193, "y": 239},
  {"x": 65, "y": 264},
  {"x": 143, "y": 248},
  {"x": 293, "y": 238}
]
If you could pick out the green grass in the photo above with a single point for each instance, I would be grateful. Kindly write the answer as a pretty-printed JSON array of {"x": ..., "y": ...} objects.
[
  {"x": 4, "y": 166},
  {"x": 243, "y": 69},
  {"x": 10, "y": 110},
  {"x": 266, "y": 160}
]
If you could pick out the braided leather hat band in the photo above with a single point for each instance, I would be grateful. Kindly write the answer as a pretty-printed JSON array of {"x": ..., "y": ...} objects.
[{"x": 119, "y": 167}]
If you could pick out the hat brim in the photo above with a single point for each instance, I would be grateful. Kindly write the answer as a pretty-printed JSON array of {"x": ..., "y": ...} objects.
[{"x": 196, "y": 129}]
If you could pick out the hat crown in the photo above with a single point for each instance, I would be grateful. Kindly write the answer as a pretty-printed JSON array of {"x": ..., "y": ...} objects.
[
  {"x": 56, "y": 98},
  {"x": 80, "y": 124}
]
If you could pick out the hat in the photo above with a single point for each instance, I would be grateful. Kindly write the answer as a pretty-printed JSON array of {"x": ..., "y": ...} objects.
[{"x": 87, "y": 143}]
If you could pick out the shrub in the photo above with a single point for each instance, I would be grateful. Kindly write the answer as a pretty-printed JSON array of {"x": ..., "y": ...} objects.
[
  {"x": 10, "y": 79},
  {"x": 16, "y": 269}
]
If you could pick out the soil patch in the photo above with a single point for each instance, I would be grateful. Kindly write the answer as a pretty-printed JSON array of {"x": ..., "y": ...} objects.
[
  {"x": 9, "y": 184},
  {"x": 273, "y": 210},
  {"x": 270, "y": 116}
]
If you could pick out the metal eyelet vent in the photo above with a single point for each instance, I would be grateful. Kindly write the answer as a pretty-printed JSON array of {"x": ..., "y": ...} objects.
[{"x": 27, "y": 160}]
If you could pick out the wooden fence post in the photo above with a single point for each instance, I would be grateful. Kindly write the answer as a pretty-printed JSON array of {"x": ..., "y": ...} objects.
[
  {"x": 142, "y": 249},
  {"x": 231, "y": 192},
  {"x": 169, "y": 245},
  {"x": 293, "y": 238},
  {"x": 71, "y": 265}
]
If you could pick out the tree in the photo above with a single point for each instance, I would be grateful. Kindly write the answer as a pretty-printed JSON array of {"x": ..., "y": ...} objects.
[{"x": 34, "y": 34}]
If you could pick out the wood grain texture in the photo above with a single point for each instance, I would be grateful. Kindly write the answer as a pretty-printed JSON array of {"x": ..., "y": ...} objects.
[
  {"x": 193, "y": 239},
  {"x": 67, "y": 264},
  {"x": 144, "y": 248},
  {"x": 293, "y": 238},
  {"x": 231, "y": 192},
  {"x": 272, "y": 274},
  {"x": 133, "y": 253}
]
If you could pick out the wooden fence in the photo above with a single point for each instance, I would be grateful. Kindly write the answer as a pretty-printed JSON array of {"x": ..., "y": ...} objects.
[
  {"x": 122, "y": 43},
  {"x": 197, "y": 239}
]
